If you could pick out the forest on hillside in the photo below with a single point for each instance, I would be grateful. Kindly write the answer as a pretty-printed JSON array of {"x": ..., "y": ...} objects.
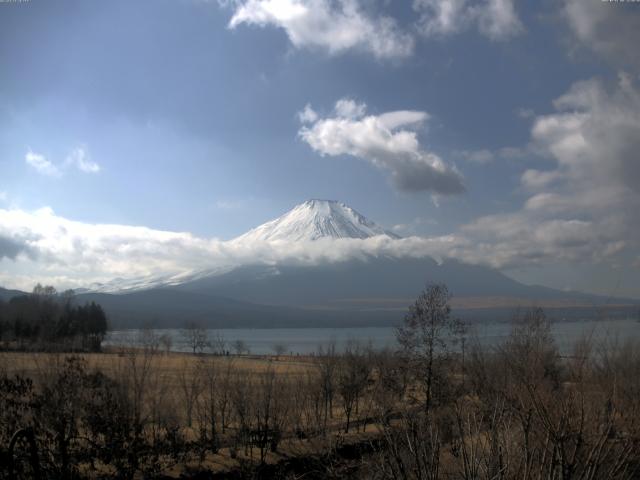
[{"x": 46, "y": 320}]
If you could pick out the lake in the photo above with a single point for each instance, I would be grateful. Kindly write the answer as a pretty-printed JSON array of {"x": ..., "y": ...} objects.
[{"x": 308, "y": 340}]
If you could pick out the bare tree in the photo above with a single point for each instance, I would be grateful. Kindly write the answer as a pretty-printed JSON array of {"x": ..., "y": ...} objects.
[
  {"x": 279, "y": 349},
  {"x": 148, "y": 339},
  {"x": 270, "y": 411},
  {"x": 353, "y": 376},
  {"x": 208, "y": 414},
  {"x": 242, "y": 403},
  {"x": 240, "y": 347},
  {"x": 327, "y": 362},
  {"x": 312, "y": 403},
  {"x": 218, "y": 344},
  {"x": 423, "y": 337},
  {"x": 189, "y": 381},
  {"x": 223, "y": 397},
  {"x": 196, "y": 337}
]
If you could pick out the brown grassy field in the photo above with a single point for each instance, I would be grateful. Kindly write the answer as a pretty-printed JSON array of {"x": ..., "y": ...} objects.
[{"x": 112, "y": 361}]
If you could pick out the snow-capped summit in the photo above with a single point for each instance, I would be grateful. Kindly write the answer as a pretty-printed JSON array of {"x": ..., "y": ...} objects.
[{"x": 313, "y": 220}]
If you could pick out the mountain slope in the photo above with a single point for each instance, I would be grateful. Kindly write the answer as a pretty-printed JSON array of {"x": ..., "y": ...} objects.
[
  {"x": 375, "y": 282},
  {"x": 171, "y": 308},
  {"x": 315, "y": 219},
  {"x": 7, "y": 295}
]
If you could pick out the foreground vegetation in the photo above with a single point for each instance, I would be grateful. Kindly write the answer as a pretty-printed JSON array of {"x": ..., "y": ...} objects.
[{"x": 440, "y": 407}]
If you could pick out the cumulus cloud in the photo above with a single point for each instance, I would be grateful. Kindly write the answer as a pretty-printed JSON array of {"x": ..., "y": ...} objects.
[
  {"x": 307, "y": 115},
  {"x": 335, "y": 26},
  {"x": 388, "y": 141},
  {"x": 40, "y": 163},
  {"x": 585, "y": 206},
  {"x": 609, "y": 29},
  {"x": 595, "y": 139},
  {"x": 78, "y": 158},
  {"x": 495, "y": 19}
]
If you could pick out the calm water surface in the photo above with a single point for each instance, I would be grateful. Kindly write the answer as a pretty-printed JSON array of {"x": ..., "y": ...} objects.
[{"x": 308, "y": 340}]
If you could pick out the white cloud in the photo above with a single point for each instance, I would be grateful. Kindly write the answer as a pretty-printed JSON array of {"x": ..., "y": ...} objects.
[
  {"x": 40, "y": 163},
  {"x": 586, "y": 205},
  {"x": 307, "y": 115},
  {"x": 334, "y": 26},
  {"x": 348, "y": 108},
  {"x": 495, "y": 19},
  {"x": 96, "y": 251},
  {"x": 79, "y": 158},
  {"x": 609, "y": 29},
  {"x": 388, "y": 141},
  {"x": 595, "y": 136}
]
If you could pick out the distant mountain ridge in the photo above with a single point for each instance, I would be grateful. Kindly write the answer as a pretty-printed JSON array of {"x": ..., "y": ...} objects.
[
  {"x": 377, "y": 282},
  {"x": 8, "y": 294}
]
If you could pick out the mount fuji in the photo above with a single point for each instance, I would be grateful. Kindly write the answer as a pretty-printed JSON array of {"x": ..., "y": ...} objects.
[
  {"x": 365, "y": 290},
  {"x": 315, "y": 219}
]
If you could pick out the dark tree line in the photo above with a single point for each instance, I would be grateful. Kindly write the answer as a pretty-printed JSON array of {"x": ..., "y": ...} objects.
[{"x": 45, "y": 318}]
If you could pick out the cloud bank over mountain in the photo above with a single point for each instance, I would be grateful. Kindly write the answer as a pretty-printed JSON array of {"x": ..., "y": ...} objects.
[{"x": 45, "y": 247}]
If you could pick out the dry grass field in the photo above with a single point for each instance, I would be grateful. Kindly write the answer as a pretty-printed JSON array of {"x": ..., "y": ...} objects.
[{"x": 113, "y": 361}]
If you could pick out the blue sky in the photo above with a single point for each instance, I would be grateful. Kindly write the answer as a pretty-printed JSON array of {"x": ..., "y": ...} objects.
[{"x": 515, "y": 129}]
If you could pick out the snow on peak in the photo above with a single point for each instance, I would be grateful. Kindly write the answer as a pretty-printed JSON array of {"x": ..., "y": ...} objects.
[{"x": 315, "y": 219}]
